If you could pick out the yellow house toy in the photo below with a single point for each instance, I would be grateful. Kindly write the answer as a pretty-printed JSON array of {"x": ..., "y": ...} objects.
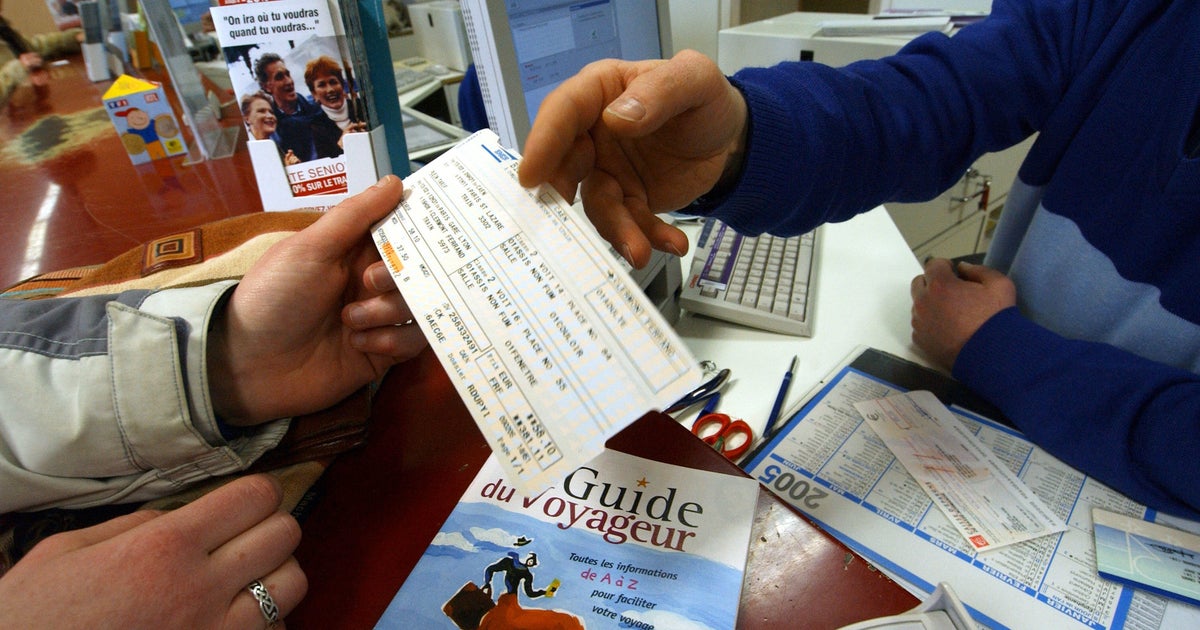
[{"x": 144, "y": 119}]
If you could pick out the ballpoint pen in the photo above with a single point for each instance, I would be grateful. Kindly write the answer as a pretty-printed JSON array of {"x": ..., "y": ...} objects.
[{"x": 783, "y": 390}]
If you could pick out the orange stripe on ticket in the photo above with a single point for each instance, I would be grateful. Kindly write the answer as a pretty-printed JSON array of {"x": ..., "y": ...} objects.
[{"x": 393, "y": 260}]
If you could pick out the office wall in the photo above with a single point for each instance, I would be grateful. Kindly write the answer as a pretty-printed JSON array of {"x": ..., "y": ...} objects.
[{"x": 30, "y": 17}]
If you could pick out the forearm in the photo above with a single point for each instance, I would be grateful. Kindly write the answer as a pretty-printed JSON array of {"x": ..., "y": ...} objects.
[
  {"x": 827, "y": 143},
  {"x": 57, "y": 43},
  {"x": 1128, "y": 422},
  {"x": 106, "y": 400},
  {"x": 12, "y": 75}
]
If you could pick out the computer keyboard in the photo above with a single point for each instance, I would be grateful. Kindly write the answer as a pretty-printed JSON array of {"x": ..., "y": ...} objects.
[
  {"x": 766, "y": 282},
  {"x": 408, "y": 79}
]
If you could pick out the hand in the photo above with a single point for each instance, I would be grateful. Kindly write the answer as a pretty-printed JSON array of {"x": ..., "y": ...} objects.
[
  {"x": 316, "y": 318},
  {"x": 947, "y": 308},
  {"x": 290, "y": 158},
  {"x": 642, "y": 137},
  {"x": 183, "y": 569},
  {"x": 32, "y": 61},
  {"x": 35, "y": 66},
  {"x": 354, "y": 127}
]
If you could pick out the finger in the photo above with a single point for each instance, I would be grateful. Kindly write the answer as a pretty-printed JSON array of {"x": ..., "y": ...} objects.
[
  {"x": 605, "y": 206},
  {"x": 258, "y": 550},
  {"x": 88, "y": 536},
  {"x": 397, "y": 343},
  {"x": 977, "y": 273},
  {"x": 918, "y": 286},
  {"x": 389, "y": 309},
  {"x": 378, "y": 278},
  {"x": 939, "y": 270},
  {"x": 222, "y": 514},
  {"x": 286, "y": 586},
  {"x": 343, "y": 227},
  {"x": 564, "y": 115},
  {"x": 664, "y": 90},
  {"x": 668, "y": 238},
  {"x": 576, "y": 165}
]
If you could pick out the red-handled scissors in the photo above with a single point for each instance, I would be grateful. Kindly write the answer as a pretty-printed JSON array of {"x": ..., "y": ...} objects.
[{"x": 732, "y": 438}]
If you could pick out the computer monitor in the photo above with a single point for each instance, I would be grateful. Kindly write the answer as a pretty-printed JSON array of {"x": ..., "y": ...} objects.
[{"x": 523, "y": 49}]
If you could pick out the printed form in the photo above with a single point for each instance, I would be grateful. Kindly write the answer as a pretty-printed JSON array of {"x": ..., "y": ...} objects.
[
  {"x": 828, "y": 463},
  {"x": 985, "y": 501},
  {"x": 548, "y": 340}
]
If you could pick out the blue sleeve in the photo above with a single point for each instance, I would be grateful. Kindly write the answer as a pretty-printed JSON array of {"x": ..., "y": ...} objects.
[
  {"x": 828, "y": 143},
  {"x": 1128, "y": 422}
]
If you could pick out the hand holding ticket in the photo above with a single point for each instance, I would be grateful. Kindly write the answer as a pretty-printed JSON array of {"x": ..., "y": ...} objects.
[{"x": 551, "y": 344}]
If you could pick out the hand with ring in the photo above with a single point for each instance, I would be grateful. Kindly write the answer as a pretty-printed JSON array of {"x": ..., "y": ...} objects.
[{"x": 188, "y": 568}]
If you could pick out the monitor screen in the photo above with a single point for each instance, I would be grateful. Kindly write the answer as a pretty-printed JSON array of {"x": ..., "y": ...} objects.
[{"x": 523, "y": 49}]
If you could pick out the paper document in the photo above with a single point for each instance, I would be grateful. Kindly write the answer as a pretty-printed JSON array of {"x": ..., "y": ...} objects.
[
  {"x": 1155, "y": 557},
  {"x": 829, "y": 464},
  {"x": 551, "y": 344},
  {"x": 984, "y": 501}
]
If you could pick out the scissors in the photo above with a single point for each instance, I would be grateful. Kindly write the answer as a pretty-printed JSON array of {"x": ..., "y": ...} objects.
[{"x": 732, "y": 438}]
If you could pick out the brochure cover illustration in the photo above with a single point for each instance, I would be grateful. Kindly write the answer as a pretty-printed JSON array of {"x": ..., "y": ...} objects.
[
  {"x": 295, "y": 85},
  {"x": 622, "y": 542},
  {"x": 144, "y": 119}
]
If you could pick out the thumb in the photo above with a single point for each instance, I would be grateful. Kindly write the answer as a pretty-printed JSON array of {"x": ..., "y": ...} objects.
[
  {"x": 347, "y": 223},
  {"x": 687, "y": 81},
  {"x": 977, "y": 273}
]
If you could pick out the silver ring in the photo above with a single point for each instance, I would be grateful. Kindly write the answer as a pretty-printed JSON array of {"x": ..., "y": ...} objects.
[{"x": 266, "y": 604}]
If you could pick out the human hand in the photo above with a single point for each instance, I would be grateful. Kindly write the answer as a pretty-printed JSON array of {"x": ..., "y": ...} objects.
[
  {"x": 354, "y": 127},
  {"x": 32, "y": 61},
  {"x": 316, "y": 318},
  {"x": 948, "y": 308},
  {"x": 290, "y": 158},
  {"x": 183, "y": 569},
  {"x": 35, "y": 66},
  {"x": 642, "y": 138}
]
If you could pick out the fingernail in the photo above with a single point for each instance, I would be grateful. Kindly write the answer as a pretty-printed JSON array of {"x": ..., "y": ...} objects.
[
  {"x": 357, "y": 313},
  {"x": 379, "y": 277},
  {"x": 674, "y": 250},
  {"x": 627, "y": 108},
  {"x": 384, "y": 180},
  {"x": 627, "y": 253},
  {"x": 358, "y": 340}
]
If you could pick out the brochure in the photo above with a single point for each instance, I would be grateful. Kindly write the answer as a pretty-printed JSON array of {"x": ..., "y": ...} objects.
[
  {"x": 622, "y": 542},
  {"x": 270, "y": 47}
]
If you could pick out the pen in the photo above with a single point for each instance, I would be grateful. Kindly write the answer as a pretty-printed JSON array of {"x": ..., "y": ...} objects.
[{"x": 783, "y": 390}]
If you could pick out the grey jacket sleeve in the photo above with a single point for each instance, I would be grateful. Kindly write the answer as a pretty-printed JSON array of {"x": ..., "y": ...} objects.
[{"x": 105, "y": 399}]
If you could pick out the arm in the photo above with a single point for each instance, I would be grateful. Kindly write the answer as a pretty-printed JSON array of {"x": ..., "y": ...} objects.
[
  {"x": 531, "y": 592},
  {"x": 801, "y": 143},
  {"x": 105, "y": 399},
  {"x": 116, "y": 398},
  {"x": 1128, "y": 422},
  {"x": 902, "y": 128},
  {"x": 13, "y": 75},
  {"x": 184, "y": 569},
  {"x": 57, "y": 43}
]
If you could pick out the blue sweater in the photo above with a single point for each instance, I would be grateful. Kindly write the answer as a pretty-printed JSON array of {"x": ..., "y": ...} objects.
[{"x": 1101, "y": 233}]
